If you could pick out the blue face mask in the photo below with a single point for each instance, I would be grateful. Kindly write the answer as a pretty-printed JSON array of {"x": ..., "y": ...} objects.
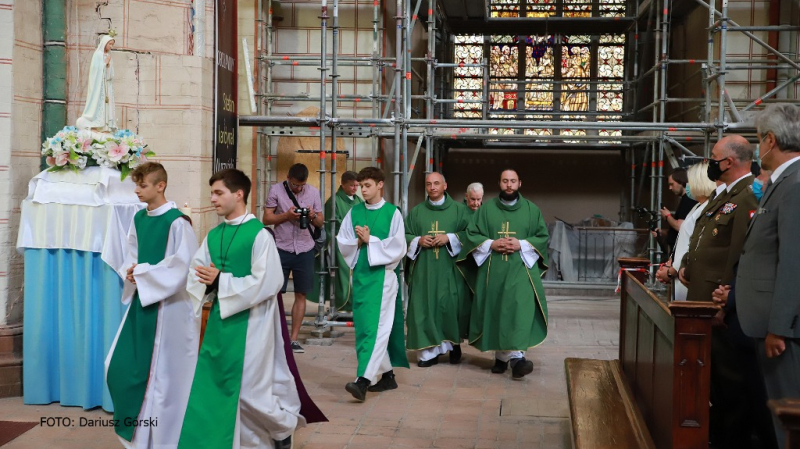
[
  {"x": 689, "y": 193},
  {"x": 758, "y": 189}
]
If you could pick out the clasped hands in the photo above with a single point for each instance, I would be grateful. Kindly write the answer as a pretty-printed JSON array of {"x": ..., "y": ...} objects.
[
  {"x": 206, "y": 275},
  {"x": 363, "y": 235},
  {"x": 507, "y": 245},
  {"x": 129, "y": 275},
  {"x": 774, "y": 345},
  {"x": 430, "y": 241}
]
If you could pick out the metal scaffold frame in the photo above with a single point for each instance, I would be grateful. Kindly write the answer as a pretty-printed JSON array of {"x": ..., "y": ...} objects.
[{"x": 645, "y": 144}]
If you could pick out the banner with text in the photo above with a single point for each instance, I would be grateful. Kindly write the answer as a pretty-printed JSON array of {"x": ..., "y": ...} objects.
[{"x": 226, "y": 86}]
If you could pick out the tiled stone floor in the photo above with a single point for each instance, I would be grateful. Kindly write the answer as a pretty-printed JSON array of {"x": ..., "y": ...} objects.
[{"x": 445, "y": 406}]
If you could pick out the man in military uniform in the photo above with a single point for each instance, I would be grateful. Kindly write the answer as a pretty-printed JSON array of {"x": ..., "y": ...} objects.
[
  {"x": 714, "y": 251},
  {"x": 720, "y": 231}
]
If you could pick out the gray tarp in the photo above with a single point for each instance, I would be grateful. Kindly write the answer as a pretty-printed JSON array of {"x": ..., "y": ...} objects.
[{"x": 589, "y": 255}]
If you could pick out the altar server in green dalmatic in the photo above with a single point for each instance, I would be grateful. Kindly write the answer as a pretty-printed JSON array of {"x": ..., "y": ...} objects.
[
  {"x": 244, "y": 394},
  {"x": 507, "y": 238},
  {"x": 155, "y": 351},
  {"x": 372, "y": 241},
  {"x": 439, "y": 299}
]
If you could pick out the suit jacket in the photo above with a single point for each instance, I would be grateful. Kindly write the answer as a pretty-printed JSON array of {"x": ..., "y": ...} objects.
[
  {"x": 717, "y": 240},
  {"x": 768, "y": 281}
]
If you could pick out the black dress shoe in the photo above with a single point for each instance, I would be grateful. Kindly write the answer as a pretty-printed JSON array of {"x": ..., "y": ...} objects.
[
  {"x": 455, "y": 355},
  {"x": 387, "y": 382},
  {"x": 427, "y": 363},
  {"x": 358, "y": 388},
  {"x": 520, "y": 368},
  {"x": 499, "y": 367},
  {"x": 284, "y": 444}
]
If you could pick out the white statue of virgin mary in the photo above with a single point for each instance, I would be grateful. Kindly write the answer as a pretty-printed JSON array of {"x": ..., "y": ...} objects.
[{"x": 99, "y": 113}]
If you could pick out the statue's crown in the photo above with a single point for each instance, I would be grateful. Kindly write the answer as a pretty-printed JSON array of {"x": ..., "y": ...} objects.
[{"x": 112, "y": 33}]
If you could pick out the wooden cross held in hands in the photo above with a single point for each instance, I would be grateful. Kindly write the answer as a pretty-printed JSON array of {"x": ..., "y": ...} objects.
[
  {"x": 505, "y": 231},
  {"x": 435, "y": 230}
]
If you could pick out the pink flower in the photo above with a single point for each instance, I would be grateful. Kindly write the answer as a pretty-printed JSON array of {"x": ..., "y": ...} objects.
[
  {"x": 86, "y": 145},
  {"x": 116, "y": 151},
  {"x": 62, "y": 159},
  {"x": 51, "y": 161}
]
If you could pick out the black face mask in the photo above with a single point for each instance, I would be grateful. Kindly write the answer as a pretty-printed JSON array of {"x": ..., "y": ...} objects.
[
  {"x": 508, "y": 197},
  {"x": 714, "y": 172}
]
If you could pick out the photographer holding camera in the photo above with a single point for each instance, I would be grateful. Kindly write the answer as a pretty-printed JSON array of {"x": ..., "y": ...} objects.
[{"x": 292, "y": 206}]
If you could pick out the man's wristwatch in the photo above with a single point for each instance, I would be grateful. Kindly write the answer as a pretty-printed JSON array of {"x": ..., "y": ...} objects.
[{"x": 669, "y": 273}]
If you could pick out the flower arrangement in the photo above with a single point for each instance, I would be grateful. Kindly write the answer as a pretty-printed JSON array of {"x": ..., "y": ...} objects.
[{"x": 71, "y": 149}]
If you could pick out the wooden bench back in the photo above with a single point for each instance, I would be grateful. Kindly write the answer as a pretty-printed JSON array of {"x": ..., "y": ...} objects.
[{"x": 665, "y": 353}]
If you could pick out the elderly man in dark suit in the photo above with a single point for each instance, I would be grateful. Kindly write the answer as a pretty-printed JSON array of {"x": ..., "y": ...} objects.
[{"x": 768, "y": 289}]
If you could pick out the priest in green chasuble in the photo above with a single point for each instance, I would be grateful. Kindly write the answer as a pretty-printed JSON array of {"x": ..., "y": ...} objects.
[
  {"x": 507, "y": 238},
  {"x": 439, "y": 299},
  {"x": 473, "y": 198},
  {"x": 345, "y": 198},
  {"x": 243, "y": 393},
  {"x": 155, "y": 349},
  {"x": 372, "y": 242}
]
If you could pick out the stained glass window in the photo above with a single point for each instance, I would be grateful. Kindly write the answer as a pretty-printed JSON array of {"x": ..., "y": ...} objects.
[
  {"x": 575, "y": 71},
  {"x": 610, "y": 62},
  {"x": 501, "y": 131},
  {"x": 539, "y": 132},
  {"x": 504, "y": 8},
  {"x": 610, "y": 68},
  {"x": 504, "y": 61},
  {"x": 609, "y": 132},
  {"x": 503, "y": 70},
  {"x": 609, "y": 97},
  {"x": 503, "y": 95},
  {"x": 549, "y": 77},
  {"x": 551, "y": 8},
  {"x": 573, "y": 132},
  {"x": 539, "y": 72},
  {"x": 468, "y": 81},
  {"x": 541, "y": 8},
  {"x": 577, "y": 8},
  {"x": 612, "y": 8}
]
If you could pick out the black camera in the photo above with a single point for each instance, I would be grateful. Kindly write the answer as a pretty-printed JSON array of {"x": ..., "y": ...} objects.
[
  {"x": 648, "y": 215},
  {"x": 303, "y": 211}
]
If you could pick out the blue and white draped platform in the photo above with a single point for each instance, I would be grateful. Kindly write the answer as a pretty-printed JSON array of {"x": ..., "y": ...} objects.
[{"x": 72, "y": 234}]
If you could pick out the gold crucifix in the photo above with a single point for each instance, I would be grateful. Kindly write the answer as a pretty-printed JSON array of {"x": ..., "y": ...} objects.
[
  {"x": 434, "y": 231},
  {"x": 505, "y": 232}
]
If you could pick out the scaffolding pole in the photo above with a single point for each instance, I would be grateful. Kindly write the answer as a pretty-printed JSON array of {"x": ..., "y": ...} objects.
[{"x": 435, "y": 130}]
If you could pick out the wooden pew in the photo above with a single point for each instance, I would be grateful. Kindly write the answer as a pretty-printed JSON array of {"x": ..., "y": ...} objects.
[
  {"x": 664, "y": 358},
  {"x": 603, "y": 408},
  {"x": 788, "y": 412}
]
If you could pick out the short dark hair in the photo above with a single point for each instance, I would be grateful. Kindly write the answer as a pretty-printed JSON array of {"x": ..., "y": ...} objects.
[
  {"x": 373, "y": 173},
  {"x": 234, "y": 180},
  {"x": 509, "y": 169},
  {"x": 149, "y": 168},
  {"x": 680, "y": 176},
  {"x": 349, "y": 176},
  {"x": 298, "y": 172}
]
